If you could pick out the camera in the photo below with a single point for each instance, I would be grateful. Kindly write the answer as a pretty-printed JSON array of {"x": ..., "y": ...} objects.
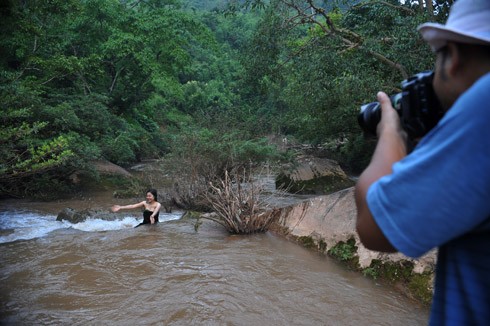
[{"x": 417, "y": 105}]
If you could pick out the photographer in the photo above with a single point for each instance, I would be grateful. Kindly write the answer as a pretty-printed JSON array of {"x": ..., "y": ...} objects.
[{"x": 439, "y": 194}]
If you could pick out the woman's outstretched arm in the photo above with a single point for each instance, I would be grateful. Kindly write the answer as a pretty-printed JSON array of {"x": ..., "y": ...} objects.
[{"x": 116, "y": 208}]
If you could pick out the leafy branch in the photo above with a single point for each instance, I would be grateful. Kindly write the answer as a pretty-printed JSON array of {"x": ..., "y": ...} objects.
[
  {"x": 35, "y": 160},
  {"x": 307, "y": 12}
]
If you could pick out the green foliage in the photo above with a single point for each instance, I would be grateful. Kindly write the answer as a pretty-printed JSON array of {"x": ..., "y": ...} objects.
[
  {"x": 130, "y": 80},
  {"x": 93, "y": 79},
  {"x": 34, "y": 158},
  {"x": 211, "y": 151},
  {"x": 263, "y": 54},
  {"x": 392, "y": 31},
  {"x": 344, "y": 251},
  {"x": 315, "y": 83},
  {"x": 370, "y": 272},
  {"x": 307, "y": 242}
]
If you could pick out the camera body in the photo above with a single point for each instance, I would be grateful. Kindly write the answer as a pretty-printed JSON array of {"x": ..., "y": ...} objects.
[{"x": 417, "y": 105}]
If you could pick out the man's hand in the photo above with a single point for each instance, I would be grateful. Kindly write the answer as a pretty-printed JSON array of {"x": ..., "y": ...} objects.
[
  {"x": 390, "y": 149},
  {"x": 390, "y": 120}
]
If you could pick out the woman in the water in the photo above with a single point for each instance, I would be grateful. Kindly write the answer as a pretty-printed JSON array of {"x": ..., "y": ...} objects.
[{"x": 151, "y": 205}]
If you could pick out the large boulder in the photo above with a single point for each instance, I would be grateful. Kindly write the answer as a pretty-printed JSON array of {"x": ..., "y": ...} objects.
[
  {"x": 332, "y": 219},
  {"x": 313, "y": 175}
]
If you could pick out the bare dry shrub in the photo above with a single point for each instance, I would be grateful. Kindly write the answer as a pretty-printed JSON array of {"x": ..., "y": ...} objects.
[{"x": 237, "y": 204}]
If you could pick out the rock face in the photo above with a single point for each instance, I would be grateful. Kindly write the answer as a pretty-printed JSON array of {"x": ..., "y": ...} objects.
[
  {"x": 103, "y": 168},
  {"x": 106, "y": 167},
  {"x": 331, "y": 219},
  {"x": 313, "y": 175}
]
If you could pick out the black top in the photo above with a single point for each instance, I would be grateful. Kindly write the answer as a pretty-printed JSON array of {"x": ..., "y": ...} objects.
[{"x": 146, "y": 217}]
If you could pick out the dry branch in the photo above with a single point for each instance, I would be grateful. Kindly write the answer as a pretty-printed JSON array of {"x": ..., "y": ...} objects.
[{"x": 237, "y": 205}]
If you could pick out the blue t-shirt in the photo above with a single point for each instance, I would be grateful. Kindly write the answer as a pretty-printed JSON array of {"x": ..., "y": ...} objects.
[{"x": 439, "y": 196}]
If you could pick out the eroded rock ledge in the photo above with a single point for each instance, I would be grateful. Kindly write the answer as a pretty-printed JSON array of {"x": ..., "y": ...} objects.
[{"x": 326, "y": 221}]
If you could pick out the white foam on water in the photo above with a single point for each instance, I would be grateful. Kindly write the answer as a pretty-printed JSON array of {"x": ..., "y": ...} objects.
[
  {"x": 22, "y": 225},
  {"x": 93, "y": 224}
]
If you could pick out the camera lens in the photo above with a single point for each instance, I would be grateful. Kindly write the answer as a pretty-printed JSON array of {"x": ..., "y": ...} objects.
[
  {"x": 369, "y": 117},
  {"x": 370, "y": 114}
]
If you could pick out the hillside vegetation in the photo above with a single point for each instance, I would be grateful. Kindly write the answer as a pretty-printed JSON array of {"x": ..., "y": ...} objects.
[{"x": 202, "y": 82}]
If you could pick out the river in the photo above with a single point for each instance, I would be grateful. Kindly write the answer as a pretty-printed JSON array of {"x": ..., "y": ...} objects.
[{"x": 109, "y": 273}]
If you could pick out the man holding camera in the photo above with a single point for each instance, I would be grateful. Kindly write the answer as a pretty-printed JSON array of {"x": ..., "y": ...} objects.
[{"x": 439, "y": 194}]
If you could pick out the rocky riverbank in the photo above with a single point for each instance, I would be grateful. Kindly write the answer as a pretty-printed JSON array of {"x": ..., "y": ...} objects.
[{"x": 327, "y": 224}]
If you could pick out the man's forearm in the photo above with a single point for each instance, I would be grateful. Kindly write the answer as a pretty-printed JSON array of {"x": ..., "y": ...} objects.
[{"x": 390, "y": 149}]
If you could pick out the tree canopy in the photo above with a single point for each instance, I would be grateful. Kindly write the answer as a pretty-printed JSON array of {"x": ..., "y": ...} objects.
[{"x": 128, "y": 80}]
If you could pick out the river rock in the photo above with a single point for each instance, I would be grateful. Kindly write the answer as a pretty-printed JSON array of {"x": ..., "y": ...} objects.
[
  {"x": 66, "y": 214},
  {"x": 74, "y": 216},
  {"x": 332, "y": 219},
  {"x": 313, "y": 175},
  {"x": 102, "y": 167}
]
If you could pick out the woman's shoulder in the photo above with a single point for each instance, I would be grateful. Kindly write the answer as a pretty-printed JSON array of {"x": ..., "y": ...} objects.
[{"x": 151, "y": 208}]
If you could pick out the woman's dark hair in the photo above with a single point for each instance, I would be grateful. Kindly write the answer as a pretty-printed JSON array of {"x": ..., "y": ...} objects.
[{"x": 154, "y": 193}]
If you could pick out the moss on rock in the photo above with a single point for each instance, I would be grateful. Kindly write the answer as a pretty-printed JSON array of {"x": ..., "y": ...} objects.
[
  {"x": 421, "y": 287},
  {"x": 414, "y": 285},
  {"x": 307, "y": 242},
  {"x": 399, "y": 274}
]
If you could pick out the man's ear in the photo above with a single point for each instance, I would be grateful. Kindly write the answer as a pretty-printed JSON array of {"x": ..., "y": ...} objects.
[{"x": 454, "y": 61}]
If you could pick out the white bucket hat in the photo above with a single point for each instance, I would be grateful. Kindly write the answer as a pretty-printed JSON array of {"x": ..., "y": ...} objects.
[{"x": 468, "y": 22}]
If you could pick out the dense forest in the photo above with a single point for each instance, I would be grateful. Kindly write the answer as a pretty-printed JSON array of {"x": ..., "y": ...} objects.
[{"x": 200, "y": 81}]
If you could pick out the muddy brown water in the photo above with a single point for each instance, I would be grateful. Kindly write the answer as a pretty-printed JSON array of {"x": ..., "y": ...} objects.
[{"x": 169, "y": 274}]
